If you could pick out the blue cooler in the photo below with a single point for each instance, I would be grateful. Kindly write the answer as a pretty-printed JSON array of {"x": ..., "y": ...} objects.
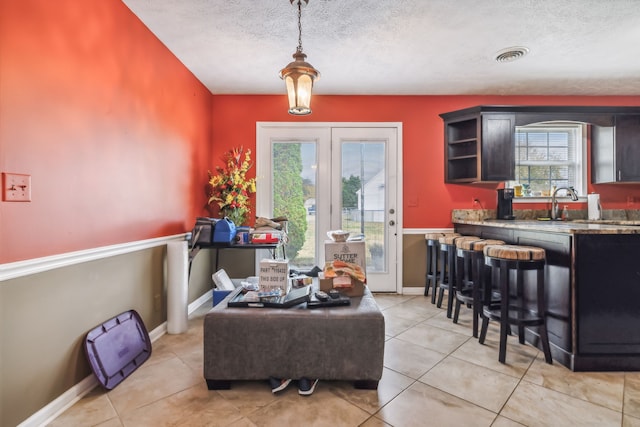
[{"x": 224, "y": 231}]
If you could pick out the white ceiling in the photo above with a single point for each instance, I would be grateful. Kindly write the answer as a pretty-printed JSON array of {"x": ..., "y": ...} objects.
[{"x": 406, "y": 47}]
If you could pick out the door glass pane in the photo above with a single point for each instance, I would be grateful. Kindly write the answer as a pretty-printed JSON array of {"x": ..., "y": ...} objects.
[
  {"x": 294, "y": 191},
  {"x": 363, "y": 197}
]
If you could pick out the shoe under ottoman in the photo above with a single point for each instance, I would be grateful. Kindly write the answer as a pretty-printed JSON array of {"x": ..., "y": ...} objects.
[{"x": 332, "y": 343}]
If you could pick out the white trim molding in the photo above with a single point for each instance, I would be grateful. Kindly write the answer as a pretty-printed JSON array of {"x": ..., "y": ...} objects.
[
  {"x": 413, "y": 290},
  {"x": 38, "y": 265},
  {"x": 63, "y": 402}
]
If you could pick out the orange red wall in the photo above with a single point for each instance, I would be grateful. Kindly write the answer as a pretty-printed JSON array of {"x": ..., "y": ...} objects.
[
  {"x": 113, "y": 129},
  {"x": 428, "y": 201},
  {"x": 118, "y": 136}
]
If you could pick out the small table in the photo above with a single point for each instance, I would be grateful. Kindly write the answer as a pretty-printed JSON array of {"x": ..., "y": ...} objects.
[
  {"x": 273, "y": 247},
  {"x": 332, "y": 343}
]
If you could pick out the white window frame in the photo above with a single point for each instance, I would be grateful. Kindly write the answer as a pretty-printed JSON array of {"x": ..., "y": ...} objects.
[{"x": 580, "y": 177}]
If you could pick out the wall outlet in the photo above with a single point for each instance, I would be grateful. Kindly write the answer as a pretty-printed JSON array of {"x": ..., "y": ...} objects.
[{"x": 16, "y": 187}]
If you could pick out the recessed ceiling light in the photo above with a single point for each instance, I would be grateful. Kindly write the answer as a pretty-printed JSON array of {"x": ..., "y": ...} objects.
[{"x": 511, "y": 54}]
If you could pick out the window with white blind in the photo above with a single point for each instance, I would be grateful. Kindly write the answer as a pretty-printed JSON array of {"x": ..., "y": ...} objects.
[{"x": 550, "y": 154}]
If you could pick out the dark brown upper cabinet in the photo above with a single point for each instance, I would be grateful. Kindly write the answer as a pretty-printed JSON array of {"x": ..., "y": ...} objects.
[
  {"x": 480, "y": 141},
  {"x": 615, "y": 151},
  {"x": 479, "y": 146}
]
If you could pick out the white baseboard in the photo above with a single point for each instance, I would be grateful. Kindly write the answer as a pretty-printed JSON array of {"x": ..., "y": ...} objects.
[
  {"x": 63, "y": 402},
  {"x": 413, "y": 290},
  {"x": 158, "y": 332},
  {"x": 67, "y": 399},
  {"x": 200, "y": 302}
]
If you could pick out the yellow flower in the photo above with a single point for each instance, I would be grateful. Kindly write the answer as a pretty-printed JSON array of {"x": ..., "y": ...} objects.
[{"x": 230, "y": 188}]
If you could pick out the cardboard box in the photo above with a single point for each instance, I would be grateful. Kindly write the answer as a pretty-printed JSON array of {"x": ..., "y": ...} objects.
[
  {"x": 351, "y": 252},
  {"x": 356, "y": 289},
  {"x": 354, "y": 252},
  {"x": 265, "y": 238},
  {"x": 274, "y": 274}
]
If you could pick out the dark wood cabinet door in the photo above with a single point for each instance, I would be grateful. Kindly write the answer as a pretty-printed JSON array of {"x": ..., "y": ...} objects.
[
  {"x": 480, "y": 141},
  {"x": 498, "y": 147},
  {"x": 607, "y": 294},
  {"x": 628, "y": 148}
]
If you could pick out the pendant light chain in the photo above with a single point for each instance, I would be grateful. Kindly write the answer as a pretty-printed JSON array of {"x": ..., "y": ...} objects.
[
  {"x": 299, "y": 25},
  {"x": 299, "y": 75}
]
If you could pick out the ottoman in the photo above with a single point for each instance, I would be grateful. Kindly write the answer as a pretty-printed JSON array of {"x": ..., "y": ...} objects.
[{"x": 331, "y": 343}]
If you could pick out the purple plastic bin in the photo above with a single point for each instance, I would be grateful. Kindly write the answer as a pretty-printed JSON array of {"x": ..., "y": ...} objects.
[{"x": 117, "y": 347}]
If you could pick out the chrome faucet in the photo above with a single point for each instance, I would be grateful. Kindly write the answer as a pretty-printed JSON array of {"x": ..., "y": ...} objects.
[{"x": 554, "y": 203}]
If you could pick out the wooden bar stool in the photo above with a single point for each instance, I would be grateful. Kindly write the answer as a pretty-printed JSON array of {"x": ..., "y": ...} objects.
[
  {"x": 448, "y": 269},
  {"x": 520, "y": 305},
  {"x": 433, "y": 253},
  {"x": 469, "y": 269}
]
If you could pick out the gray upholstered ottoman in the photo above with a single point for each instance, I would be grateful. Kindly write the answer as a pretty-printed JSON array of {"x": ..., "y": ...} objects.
[{"x": 337, "y": 343}]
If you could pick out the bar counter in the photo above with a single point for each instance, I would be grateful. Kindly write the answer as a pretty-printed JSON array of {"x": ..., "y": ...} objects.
[{"x": 592, "y": 286}]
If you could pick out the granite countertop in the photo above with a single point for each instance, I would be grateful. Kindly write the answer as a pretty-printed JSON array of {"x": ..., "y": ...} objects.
[
  {"x": 567, "y": 227},
  {"x": 577, "y": 226}
]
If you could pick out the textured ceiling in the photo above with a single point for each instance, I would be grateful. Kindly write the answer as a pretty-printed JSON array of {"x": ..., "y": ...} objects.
[{"x": 417, "y": 47}]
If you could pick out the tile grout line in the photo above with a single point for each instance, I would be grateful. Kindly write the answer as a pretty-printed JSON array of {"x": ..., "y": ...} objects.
[{"x": 516, "y": 387}]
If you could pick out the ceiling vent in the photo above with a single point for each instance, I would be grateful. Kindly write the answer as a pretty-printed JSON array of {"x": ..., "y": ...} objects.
[{"x": 510, "y": 54}]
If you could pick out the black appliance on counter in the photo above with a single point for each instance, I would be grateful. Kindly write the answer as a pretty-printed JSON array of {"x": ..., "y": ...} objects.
[{"x": 505, "y": 203}]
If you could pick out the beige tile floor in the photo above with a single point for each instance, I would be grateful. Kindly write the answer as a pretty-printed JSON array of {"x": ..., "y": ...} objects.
[{"x": 435, "y": 373}]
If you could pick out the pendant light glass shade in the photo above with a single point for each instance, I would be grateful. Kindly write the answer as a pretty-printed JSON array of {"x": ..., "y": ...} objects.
[{"x": 299, "y": 76}]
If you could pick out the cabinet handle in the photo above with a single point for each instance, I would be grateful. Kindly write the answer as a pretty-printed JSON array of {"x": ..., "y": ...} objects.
[{"x": 619, "y": 174}]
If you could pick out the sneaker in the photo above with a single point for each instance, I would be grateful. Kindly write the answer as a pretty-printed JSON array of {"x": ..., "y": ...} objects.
[
  {"x": 306, "y": 386},
  {"x": 278, "y": 384},
  {"x": 314, "y": 271}
]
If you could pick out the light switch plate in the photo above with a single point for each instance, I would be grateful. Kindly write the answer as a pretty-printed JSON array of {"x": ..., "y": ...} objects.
[{"x": 16, "y": 187}]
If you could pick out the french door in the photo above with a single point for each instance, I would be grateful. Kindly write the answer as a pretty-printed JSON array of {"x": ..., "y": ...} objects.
[{"x": 324, "y": 177}]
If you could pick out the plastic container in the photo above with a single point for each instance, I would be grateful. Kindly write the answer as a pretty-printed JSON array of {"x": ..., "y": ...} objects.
[
  {"x": 224, "y": 231},
  {"x": 117, "y": 347}
]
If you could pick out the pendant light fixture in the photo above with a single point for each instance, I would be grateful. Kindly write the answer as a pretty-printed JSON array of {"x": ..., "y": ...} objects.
[{"x": 299, "y": 75}]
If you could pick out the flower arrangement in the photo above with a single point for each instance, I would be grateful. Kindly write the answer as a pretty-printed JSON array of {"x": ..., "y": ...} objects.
[{"x": 230, "y": 188}]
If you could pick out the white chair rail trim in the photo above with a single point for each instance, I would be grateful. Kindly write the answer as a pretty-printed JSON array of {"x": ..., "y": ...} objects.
[{"x": 38, "y": 265}]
